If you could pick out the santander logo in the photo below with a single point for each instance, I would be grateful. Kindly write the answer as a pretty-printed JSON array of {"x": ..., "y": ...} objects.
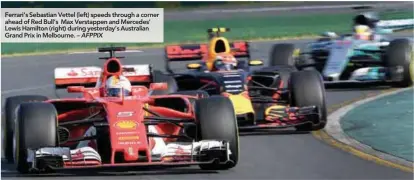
[{"x": 72, "y": 73}]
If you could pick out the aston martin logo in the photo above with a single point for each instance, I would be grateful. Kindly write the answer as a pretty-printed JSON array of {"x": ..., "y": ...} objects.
[{"x": 126, "y": 124}]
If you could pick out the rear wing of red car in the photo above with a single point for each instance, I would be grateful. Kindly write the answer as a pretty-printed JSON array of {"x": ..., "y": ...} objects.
[
  {"x": 89, "y": 76},
  {"x": 190, "y": 52}
]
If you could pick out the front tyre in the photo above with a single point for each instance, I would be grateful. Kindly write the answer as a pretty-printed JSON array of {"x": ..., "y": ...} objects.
[
  {"x": 399, "y": 54},
  {"x": 11, "y": 105},
  {"x": 217, "y": 121},
  {"x": 35, "y": 128},
  {"x": 307, "y": 89}
]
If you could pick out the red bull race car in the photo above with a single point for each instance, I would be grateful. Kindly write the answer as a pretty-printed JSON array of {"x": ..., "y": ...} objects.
[
  {"x": 133, "y": 131},
  {"x": 276, "y": 96}
]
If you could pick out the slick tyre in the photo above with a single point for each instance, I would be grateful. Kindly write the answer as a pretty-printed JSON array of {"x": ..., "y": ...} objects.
[
  {"x": 159, "y": 77},
  {"x": 35, "y": 128},
  {"x": 399, "y": 54},
  {"x": 11, "y": 105},
  {"x": 307, "y": 89},
  {"x": 282, "y": 55},
  {"x": 217, "y": 121}
]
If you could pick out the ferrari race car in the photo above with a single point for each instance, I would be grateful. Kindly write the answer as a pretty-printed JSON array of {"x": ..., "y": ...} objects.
[
  {"x": 132, "y": 131},
  {"x": 278, "y": 96},
  {"x": 348, "y": 60}
]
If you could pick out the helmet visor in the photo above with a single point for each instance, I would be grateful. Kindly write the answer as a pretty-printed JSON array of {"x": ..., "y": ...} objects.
[{"x": 116, "y": 92}]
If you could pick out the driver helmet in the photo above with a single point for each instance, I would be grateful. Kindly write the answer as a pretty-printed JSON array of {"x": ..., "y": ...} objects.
[
  {"x": 116, "y": 86},
  {"x": 225, "y": 63},
  {"x": 362, "y": 32}
]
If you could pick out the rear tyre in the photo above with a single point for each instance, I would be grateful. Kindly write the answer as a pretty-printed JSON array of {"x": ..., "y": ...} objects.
[
  {"x": 11, "y": 105},
  {"x": 35, "y": 128},
  {"x": 217, "y": 121},
  {"x": 159, "y": 77},
  {"x": 399, "y": 54},
  {"x": 307, "y": 89},
  {"x": 282, "y": 54}
]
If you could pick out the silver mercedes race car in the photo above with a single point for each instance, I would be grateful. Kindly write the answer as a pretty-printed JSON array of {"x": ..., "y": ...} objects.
[{"x": 349, "y": 59}]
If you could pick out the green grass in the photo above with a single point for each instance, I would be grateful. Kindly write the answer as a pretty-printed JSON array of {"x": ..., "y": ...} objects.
[{"x": 242, "y": 28}]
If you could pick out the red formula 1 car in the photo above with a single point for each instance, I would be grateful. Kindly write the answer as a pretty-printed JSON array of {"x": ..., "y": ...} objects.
[{"x": 136, "y": 130}]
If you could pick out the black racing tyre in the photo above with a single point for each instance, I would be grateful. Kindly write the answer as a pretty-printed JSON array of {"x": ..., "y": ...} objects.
[
  {"x": 36, "y": 128},
  {"x": 159, "y": 77},
  {"x": 11, "y": 105},
  {"x": 399, "y": 53},
  {"x": 217, "y": 121},
  {"x": 307, "y": 89},
  {"x": 282, "y": 54}
]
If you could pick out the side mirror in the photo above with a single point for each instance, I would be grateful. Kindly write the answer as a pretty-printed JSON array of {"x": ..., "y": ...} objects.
[
  {"x": 159, "y": 86},
  {"x": 193, "y": 66},
  {"x": 75, "y": 89},
  {"x": 329, "y": 34},
  {"x": 255, "y": 62}
]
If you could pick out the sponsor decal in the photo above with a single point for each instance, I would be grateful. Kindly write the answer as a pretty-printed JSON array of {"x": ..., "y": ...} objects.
[
  {"x": 129, "y": 73},
  {"x": 128, "y": 138},
  {"x": 233, "y": 90},
  {"x": 126, "y": 133},
  {"x": 186, "y": 49},
  {"x": 126, "y": 124},
  {"x": 233, "y": 86},
  {"x": 72, "y": 73},
  {"x": 125, "y": 114},
  {"x": 88, "y": 72},
  {"x": 129, "y": 142},
  {"x": 233, "y": 82}
]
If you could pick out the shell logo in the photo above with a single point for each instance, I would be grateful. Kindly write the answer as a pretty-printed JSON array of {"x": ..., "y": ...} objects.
[{"x": 126, "y": 124}]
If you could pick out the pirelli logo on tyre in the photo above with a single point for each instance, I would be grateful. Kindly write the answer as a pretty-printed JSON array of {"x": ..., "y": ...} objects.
[{"x": 126, "y": 125}]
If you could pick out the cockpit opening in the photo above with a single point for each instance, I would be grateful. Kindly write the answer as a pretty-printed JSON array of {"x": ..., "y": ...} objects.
[
  {"x": 220, "y": 46},
  {"x": 113, "y": 66}
]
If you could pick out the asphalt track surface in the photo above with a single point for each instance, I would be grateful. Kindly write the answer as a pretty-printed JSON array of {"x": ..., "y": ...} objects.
[{"x": 275, "y": 155}]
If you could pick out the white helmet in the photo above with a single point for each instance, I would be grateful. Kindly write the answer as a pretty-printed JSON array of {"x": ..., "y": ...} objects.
[{"x": 115, "y": 86}]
